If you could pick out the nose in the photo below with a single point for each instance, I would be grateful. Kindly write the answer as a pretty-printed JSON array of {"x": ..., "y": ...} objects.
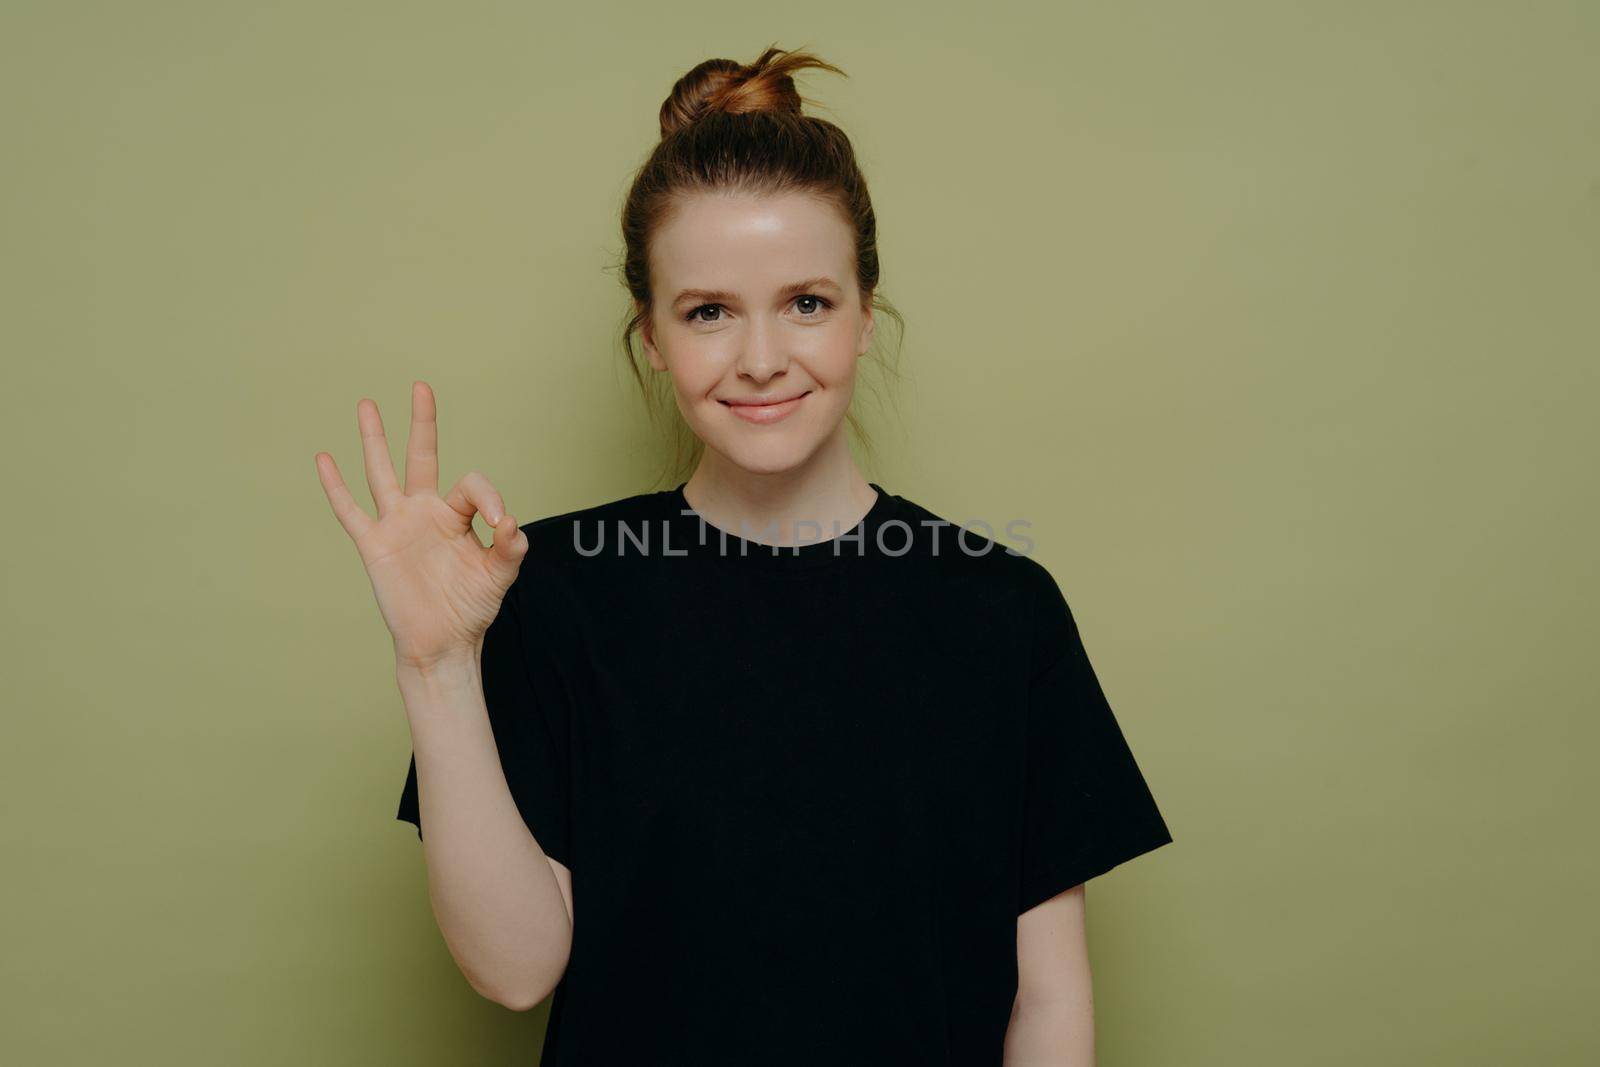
[{"x": 763, "y": 356}]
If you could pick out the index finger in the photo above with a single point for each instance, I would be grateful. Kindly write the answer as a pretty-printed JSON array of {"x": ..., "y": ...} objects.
[{"x": 345, "y": 509}]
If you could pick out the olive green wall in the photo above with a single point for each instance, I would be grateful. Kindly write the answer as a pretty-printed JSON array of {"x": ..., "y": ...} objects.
[{"x": 1278, "y": 321}]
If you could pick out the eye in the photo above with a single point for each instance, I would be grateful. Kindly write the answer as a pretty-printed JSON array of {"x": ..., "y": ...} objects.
[
  {"x": 822, "y": 305},
  {"x": 812, "y": 307}
]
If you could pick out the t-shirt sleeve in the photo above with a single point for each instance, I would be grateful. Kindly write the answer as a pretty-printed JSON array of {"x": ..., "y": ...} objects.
[
  {"x": 1086, "y": 806},
  {"x": 530, "y": 713}
]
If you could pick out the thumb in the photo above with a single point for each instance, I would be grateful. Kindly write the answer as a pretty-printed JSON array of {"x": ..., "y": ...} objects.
[{"x": 508, "y": 544}]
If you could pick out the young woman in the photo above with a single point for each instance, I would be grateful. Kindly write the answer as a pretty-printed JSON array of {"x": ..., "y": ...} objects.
[{"x": 824, "y": 773}]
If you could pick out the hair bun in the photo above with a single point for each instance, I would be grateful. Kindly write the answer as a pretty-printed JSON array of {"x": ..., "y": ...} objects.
[{"x": 730, "y": 87}]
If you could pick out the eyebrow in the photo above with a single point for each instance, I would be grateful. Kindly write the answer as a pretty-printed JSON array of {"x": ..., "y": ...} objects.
[{"x": 714, "y": 296}]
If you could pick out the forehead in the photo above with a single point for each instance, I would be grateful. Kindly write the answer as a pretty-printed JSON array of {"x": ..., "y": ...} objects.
[{"x": 748, "y": 243}]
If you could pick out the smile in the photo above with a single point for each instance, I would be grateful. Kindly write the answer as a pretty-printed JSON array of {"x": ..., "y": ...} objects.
[{"x": 763, "y": 413}]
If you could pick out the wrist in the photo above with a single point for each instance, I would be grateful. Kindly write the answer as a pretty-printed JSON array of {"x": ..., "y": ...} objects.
[{"x": 454, "y": 666}]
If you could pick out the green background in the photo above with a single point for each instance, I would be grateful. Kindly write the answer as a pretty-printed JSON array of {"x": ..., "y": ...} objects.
[{"x": 1278, "y": 321}]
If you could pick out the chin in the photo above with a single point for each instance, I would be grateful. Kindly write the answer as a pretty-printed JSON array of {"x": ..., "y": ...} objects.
[
  {"x": 773, "y": 456},
  {"x": 767, "y": 460}
]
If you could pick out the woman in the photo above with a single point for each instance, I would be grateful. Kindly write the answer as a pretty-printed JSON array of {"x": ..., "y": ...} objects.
[{"x": 825, "y": 777}]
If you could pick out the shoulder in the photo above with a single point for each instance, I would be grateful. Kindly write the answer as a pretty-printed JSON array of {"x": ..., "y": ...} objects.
[
  {"x": 997, "y": 556},
  {"x": 989, "y": 571},
  {"x": 555, "y": 538},
  {"x": 556, "y": 562}
]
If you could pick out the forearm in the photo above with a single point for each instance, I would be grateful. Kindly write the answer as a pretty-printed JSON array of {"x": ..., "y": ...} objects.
[
  {"x": 1057, "y": 1031},
  {"x": 494, "y": 895}
]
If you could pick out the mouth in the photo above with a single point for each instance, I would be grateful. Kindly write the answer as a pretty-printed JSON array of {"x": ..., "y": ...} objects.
[
  {"x": 762, "y": 402},
  {"x": 764, "y": 409}
]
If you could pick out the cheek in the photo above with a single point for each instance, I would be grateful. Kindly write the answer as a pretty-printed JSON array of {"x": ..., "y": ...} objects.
[
  {"x": 698, "y": 364},
  {"x": 833, "y": 356}
]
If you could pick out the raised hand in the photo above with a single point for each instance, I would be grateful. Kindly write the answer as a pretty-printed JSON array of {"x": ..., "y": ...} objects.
[{"x": 438, "y": 586}]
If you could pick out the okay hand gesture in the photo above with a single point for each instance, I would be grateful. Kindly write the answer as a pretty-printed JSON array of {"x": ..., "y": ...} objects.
[{"x": 438, "y": 586}]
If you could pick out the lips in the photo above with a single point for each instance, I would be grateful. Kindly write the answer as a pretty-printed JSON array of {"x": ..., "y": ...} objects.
[
  {"x": 760, "y": 402},
  {"x": 764, "y": 410}
]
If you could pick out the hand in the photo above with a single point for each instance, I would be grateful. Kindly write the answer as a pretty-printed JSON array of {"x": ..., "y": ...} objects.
[{"x": 438, "y": 587}]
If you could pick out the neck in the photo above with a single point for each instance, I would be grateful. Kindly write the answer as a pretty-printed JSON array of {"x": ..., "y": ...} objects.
[{"x": 780, "y": 507}]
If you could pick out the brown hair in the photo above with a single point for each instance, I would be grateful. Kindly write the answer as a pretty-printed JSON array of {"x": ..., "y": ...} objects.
[{"x": 728, "y": 125}]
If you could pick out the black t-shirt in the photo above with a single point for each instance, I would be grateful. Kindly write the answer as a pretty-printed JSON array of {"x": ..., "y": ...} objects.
[{"x": 804, "y": 793}]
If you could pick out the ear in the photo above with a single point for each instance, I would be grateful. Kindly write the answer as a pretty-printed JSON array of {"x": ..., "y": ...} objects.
[
  {"x": 647, "y": 337},
  {"x": 868, "y": 323}
]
